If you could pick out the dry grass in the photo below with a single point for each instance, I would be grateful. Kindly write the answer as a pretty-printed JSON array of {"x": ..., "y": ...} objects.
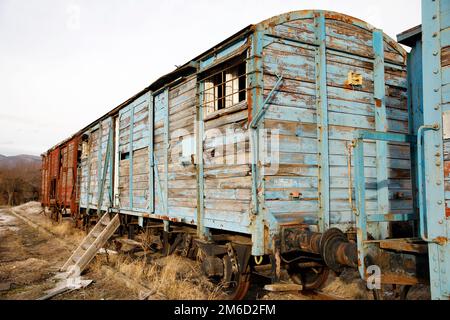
[
  {"x": 64, "y": 230},
  {"x": 173, "y": 278},
  {"x": 348, "y": 286}
]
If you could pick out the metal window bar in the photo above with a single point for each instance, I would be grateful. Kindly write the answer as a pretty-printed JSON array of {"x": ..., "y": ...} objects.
[
  {"x": 223, "y": 96},
  {"x": 217, "y": 96}
]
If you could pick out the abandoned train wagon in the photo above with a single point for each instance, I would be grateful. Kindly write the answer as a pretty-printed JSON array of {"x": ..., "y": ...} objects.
[
  {"x": 250, "y": 145},
  {"x": 59, "y": 178}
]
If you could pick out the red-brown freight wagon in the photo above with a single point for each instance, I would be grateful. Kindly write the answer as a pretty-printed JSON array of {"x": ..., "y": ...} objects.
[{"x": 59, "y": 178}]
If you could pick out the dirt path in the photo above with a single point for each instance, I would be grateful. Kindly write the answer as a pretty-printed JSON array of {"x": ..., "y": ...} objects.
[{"x": 29, "y": 259}]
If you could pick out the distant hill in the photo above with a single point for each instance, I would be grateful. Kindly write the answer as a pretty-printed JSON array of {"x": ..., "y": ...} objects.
[{"x": 23, "y": 159}]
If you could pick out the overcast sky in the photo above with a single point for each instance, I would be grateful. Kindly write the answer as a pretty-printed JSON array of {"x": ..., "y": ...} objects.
[{"x": 64, "y": 64}]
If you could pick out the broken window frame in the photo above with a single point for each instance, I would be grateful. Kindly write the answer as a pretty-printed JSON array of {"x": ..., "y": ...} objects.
[{"x": 220, "y": 81}]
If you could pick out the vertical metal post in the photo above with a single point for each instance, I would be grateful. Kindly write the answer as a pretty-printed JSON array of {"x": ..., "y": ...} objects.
[
  {"x": 380, "y": 230},
  {"x": 131, "y": 158},
  {"x": 437, "y": 222},
  {"x": 255, "y": 83},
  {"x": 106, "y": 165},
  {"x": 166, "y": 150},
  {"x": 202, "y": 231},
  {"x": 111, "y": 165},
  {"x": 88, "y": 187},
  {"x": 361, "y": 218},
  {"x": 99, "y": 161},
  {"x": 322, "y": 123},
  {"x": 151, "y": 157}
]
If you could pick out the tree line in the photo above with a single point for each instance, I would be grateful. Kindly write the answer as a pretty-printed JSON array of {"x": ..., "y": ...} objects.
[{"x": 20, "y": 183}]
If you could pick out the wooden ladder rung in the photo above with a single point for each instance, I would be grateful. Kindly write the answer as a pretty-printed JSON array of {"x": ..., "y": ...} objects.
[
  {"x": 95, "y": 235},
  {"x": 101, "y": 231}
]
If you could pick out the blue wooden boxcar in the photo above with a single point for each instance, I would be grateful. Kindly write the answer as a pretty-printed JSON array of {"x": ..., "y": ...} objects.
[{"x": 291, "y": 141}]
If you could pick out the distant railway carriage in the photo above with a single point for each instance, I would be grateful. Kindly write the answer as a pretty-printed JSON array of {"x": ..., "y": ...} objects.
[
  {"x": 287, "y": 144},
  {"x": 59, "y": 178}
]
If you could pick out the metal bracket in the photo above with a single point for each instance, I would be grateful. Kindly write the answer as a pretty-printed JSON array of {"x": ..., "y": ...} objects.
[{"x": 260, "y": 114}]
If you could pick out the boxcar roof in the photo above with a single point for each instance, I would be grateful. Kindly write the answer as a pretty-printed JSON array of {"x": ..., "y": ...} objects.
[
  {"x": 410, "y": 36},
  {"x": 191, "y": 66}
]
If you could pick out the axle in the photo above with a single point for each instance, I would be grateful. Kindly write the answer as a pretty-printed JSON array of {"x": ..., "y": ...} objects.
[{"x": 333, "y": 246}]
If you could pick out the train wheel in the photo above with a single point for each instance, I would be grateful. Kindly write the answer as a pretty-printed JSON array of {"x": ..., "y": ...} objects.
[
  {"x": 235, "y": 284},
  {"x": 309, "y": 278}
]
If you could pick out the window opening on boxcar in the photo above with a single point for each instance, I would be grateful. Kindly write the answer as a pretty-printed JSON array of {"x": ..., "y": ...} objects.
[
  {"x": 124, "y": 156},
  {"x": 84, "y": 146},
  {"x": 225, "y": 86}
]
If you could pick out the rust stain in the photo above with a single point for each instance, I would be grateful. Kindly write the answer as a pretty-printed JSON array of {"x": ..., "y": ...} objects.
[
  {"x": 441, "y": 241},
  {"x": 166, "y": 218},
  {"x": 399, "y": 279},
  {"x": 447, "y": 213},
  {"x": 340, "y": 17},
  {"x": 447, "y": 169},
  {"x": 378, "y": 103}
]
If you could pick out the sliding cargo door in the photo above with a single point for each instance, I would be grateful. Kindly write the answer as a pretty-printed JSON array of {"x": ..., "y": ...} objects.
[
  {"x": 182, "y": 186},
  {"x": 96, "y": 167},
  {"x": 134, "y": 172}
]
